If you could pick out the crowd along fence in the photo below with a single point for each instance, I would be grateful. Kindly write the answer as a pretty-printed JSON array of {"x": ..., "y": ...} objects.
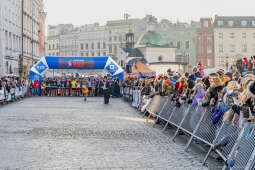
[
  {"x": 14, "y": 94},
  {"x": 234, "y": 143}
]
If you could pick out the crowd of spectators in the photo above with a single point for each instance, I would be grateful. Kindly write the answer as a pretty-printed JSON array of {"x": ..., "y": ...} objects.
[
  {"x": 12, "y": 88},
  {"x": 231, "y": 93}
]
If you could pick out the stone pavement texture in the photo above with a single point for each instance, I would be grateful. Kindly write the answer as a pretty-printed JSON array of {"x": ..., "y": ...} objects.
[{"x": 67, "y": 133}]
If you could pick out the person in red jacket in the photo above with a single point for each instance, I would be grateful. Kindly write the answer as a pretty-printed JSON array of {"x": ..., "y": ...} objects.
[{"x": 36, "y": 85}]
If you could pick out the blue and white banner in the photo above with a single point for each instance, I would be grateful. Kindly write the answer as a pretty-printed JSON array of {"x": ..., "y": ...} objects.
[{"x": 51, "y": 62}]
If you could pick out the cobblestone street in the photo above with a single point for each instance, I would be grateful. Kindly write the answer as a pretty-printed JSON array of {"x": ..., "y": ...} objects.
[{"x": 66, "y": 133}]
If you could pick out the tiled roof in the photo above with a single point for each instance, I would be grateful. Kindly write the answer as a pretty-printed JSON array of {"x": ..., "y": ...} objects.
[
  {"x": 234, "y": 22},
  {"x": 134, "y": 52}
]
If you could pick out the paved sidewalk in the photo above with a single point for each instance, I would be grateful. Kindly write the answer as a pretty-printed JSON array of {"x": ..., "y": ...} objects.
[{"x": 66, "y": 133}]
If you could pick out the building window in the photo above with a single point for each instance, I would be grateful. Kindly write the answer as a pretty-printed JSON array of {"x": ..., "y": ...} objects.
[
  {"x": 104, "y": 45},
  {"x": 253, "y": 23},
  {"x": 49, "y": 47},
  {"x": 87, "y": 46},
  {"x": 160, "y": 58},
  {"x": 171, "y": 44},
  {"x": 82, "y": 46},
  {"x": 115, "y": 39},
  {"x": 244, "y": 35},
  {"x": 232, "y": 48},
  {"x": 104, "y": 53},
  {"x": 87, "y": 54},
  {"x": 49, "y": 54},
  {"x": 244, "y": 23},
  {"x": 82, "y": 54},
  {"x": 98, "y": 45},
  {"x": 178, "y": 44},
  {"x": 187, "y": 44},
  {"x": 92, "y": 45},
  {"x": 230, "y": 23},
  {"x": 92, "y": 53},
  {"x": 220, "y": 23},
  {"x": 98, "y": 53},
  {"x": 221, "y": 35},
  {"x": 53, "y": 46},
  {"x": 110, "y": 39},
  {"x": 221, "y": 48},
  {"x": 110, "y": 48},
  {"x": 244, "y": 48},
  {"x": 206, "y": 24},
  {"x": 115, "y": 49},
  {"x": 232, "y": 35}
]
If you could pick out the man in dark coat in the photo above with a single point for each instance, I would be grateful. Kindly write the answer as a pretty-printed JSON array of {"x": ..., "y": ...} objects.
[{"x": 107, "y": 90}]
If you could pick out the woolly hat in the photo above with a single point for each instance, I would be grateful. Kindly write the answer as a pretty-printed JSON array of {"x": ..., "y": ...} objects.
[{"x": 195, "y": 69}]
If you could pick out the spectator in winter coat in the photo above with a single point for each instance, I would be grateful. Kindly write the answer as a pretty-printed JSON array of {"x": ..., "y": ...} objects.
[
  {"x": 245, "y": 64},
  {"x": 36, "y": 86}
]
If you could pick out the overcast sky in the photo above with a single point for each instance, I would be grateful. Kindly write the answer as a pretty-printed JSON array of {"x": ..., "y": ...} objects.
[{"x": 80, "y": 12}]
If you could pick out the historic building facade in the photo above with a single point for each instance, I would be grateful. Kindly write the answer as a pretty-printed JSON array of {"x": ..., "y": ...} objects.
[
  {"x": 69, "y": 45},
  {"x": 205, "y": 43},
  {"x": 234, "y": 38},
  {"x": 10, "y": 36},
  {"x": 183, "y": 37},
  {"x": 92, "y": 40},
  {"x": 42, "y": 31},
  {"x": 31, "y": 30}
]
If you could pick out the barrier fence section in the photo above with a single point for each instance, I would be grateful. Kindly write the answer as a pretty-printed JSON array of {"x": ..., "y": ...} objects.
[
  {"x": 234, "y": 143},
  {"x": 14, "y": 94}
]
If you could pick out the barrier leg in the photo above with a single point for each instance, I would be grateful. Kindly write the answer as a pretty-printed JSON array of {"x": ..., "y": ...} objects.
[
  {"x": 157, "y": 116},
  {"x": 207, "y": 155},
  {"x": 194, "y": 132},
  {"x": 188, "y": 144},
  {"x": 165, "y": 127},
  {"x": 178, "y": 129},
  {"x": 168, "y": 120}
]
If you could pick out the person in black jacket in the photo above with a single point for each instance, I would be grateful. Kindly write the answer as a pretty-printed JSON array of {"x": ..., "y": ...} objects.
[{"x": 106, "y": 88}]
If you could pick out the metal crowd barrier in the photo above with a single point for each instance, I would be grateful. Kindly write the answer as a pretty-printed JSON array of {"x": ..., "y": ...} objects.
[
  {"x": 13, "y": 95},
  {"x": 243, "y": 153},
  {"x": 196, "y": 122}
]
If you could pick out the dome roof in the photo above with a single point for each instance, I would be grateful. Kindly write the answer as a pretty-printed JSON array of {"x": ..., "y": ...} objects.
[{"x": 152, "y": 38}]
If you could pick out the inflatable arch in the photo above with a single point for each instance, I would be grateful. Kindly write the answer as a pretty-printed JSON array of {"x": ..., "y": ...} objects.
[{"x": 52, "y": 62}]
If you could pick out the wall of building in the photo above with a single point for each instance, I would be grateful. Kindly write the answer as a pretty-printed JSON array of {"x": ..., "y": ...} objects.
[
  {"x": 53, "y": 47},
  {"x": 182, "y": 36},
  {"x": 69, "y": 45},
  {"x": 10, "y": 36},
  {"x": 162, "y": 68},
  {"x": 229, "y": 48},
  {"x": 154, "y": 54},
  {"x": 93, "y": 42},
  {"x": 205, "y": 43}
]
